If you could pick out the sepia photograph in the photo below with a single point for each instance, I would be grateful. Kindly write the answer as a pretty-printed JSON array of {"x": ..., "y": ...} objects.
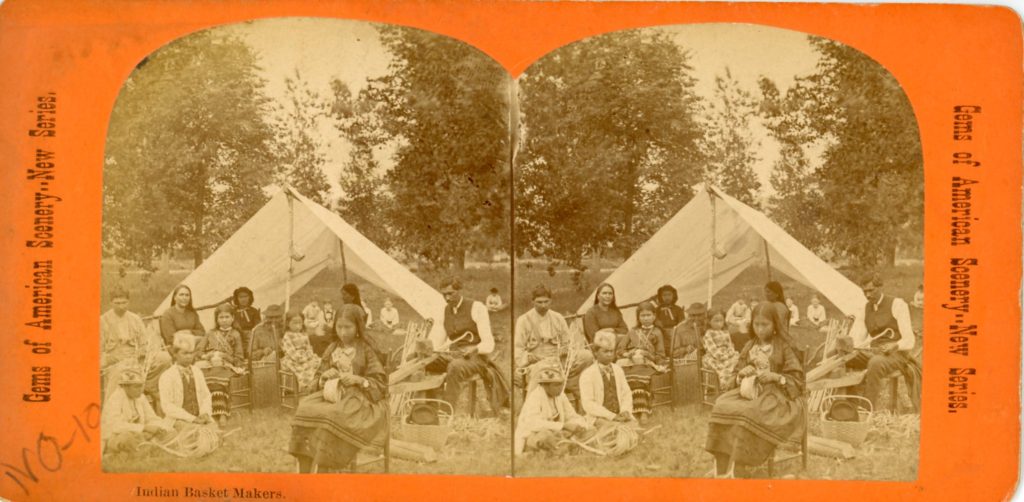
[
  {"x": 306, "y": 225},
  {"x": 719, "y": 259}
]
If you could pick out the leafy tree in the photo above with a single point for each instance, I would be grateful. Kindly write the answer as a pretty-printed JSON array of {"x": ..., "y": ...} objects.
[
  {"x": 299, "y": 152},
  {"x": 871, "y": 177},
  {"x": 187, "y": 149},
  {"x": 610, "y": 144},
  {"x": 443, "y": 109},
  {"x": 796, "y": 198},
  {"x": 364, "y": 197},
  {"x": 729, "y": 145}
]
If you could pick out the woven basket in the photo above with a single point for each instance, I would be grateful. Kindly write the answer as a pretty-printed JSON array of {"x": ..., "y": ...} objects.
[
  {"x": 853, "y": 433},
  {"x": 434, "y": 436}
]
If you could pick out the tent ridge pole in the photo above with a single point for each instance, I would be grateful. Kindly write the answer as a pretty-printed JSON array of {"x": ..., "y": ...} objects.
[{"x": 291, "y": 253}]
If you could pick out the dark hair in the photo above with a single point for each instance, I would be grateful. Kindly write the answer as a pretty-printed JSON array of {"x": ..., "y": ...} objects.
[
  {"x": 769, "y": 311},
  {"x": 776, "y": 289},
  {"x": 597, "y": 294},
  {"x": 288, "y": 319},
  {"x": 494, "y": 290},
  {"x": 539, "y": 291},
  {"x": 645, "y": 307},
  {"x": 239, "y": 291},
  {"x": 454, "y": 282},
  {"x": 713, "y": 312},
  {"x": 353, "y": 291},
  {"x": 670, "y": 289},
  {"x": 224, "y": 308},
  {"x": 121, "y": 293},
  {"x": 190, "y": 298},
  {"x": 872, "y": 279}
]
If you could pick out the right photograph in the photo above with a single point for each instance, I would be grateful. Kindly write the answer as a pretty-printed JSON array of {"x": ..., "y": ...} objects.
[{"x": 718, "y": 259}]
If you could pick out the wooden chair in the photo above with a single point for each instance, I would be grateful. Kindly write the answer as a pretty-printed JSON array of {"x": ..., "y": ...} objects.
[
  {"x": 661, "y": 390},
  {"x": 289, "y": 389},
  {"x": 477, "y": 381},
  {"x": 240, "y": 390},
  {"x": 802, "y": 453},
  {"x": 710, "y": 387}
]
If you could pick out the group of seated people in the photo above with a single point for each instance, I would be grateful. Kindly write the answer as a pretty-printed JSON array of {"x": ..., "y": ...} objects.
[
  {"x": 759, "y": 372},
  {"x": 186, "y": 372}
]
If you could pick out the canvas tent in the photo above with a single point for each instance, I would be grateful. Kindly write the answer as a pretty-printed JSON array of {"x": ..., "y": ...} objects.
[
  {"x": 680, "y": 255},
  {"x": 288, "y": 227}
]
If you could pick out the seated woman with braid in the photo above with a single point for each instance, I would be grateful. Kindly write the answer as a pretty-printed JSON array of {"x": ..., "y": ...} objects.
[
  {"x": 748, "y": 422},
  {"x": 348, "y": 412}
]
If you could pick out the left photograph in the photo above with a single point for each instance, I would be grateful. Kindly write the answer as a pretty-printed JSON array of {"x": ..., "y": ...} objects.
[{"x": 305, "y": 225}]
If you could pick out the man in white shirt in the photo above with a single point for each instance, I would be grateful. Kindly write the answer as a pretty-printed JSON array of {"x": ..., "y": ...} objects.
[
  {"x": 125, "y": 342},
  {"x": 389, "y": 315},
  {"x": 738, "y": 317},
  {"x": 494, "y": 302},
  {"x": 542, "y": 338},
  {"x": 604, "y": 393},
  {"x": 886, "y": 343},
  {"x": 467, "y": 327},
  {"x": 816, "y": 312}
]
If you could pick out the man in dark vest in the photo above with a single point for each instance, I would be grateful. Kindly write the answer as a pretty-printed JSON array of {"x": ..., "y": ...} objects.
[
  {"x": 887, "y": 342},
  {"x": 467, "y": 325}
]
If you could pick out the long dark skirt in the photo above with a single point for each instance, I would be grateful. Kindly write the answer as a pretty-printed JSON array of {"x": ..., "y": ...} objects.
[
  {"x": 639, "y": 379},
  {"x": 331, "y": 434},
  {"x": 750, "y": 430},
  {"x": 218, "y": 380}
]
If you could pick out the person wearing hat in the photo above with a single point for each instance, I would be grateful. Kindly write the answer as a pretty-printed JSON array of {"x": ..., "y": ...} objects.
[
  {"x": 604, "y": 392},
  {"x": 687, "y": 335},
  {"x": 541, "y": 337},
  {"x": 184, "y": 395},
  {"x": 127, "y": 418},
  {"x": 547, "y": 416},
  {"x": 266, "y": 338}
]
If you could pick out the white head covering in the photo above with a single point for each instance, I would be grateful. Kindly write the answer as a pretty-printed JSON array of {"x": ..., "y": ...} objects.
[
  {"x": 184, "y": 340},
  {"x": 605, "y": 339}
]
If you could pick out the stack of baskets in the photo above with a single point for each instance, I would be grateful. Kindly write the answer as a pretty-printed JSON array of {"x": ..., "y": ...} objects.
[
  {"x": 852, "y": 425},
  {"x": 416, "y": 422}
]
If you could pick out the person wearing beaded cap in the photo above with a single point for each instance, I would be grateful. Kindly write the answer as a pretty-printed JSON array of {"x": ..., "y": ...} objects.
[
  {"x": 547, "y": 416},
  {"x": 127, "y": 418}
]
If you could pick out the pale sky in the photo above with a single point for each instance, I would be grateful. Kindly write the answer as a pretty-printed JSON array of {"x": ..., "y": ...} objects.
[{"x": 322, "y": 49}]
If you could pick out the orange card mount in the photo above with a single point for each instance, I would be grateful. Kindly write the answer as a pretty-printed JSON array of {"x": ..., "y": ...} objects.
[{"x": 67, "y": 62}]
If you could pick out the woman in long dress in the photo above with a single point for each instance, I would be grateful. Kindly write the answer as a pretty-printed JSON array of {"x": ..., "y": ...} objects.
[
  {"x": 604, "y": 314},
  {"x": 180, "y": 316},
  {"x": 349, "y": 410},
  {"x": 746, "y": 427}
]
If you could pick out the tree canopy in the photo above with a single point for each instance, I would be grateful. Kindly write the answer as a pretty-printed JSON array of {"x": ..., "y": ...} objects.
[{"x": 610, "y": 144}]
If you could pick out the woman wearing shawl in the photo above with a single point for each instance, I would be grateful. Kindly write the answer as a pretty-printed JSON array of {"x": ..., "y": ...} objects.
[
  {"x": 246, "y": 315},
  {"x": 604, "y": 314},
  {"x": 747, "y": 425},
  {"x": 349, "y": 413}
]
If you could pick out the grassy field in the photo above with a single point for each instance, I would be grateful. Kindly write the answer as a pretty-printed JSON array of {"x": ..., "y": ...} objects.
[
  {"x": 676, "y": 449},
  {"x": 474, "y": 447}
]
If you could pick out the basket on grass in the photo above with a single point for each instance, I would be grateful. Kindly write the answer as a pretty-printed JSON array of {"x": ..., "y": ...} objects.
[
  {"x": 855, "y": 429},
  {"x": 425, "y": 421}
]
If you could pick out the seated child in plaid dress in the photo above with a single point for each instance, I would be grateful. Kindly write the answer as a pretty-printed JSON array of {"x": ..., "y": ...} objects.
[
  {"x": 299, "y": 357},
  {"x": 720, "y": 354}
]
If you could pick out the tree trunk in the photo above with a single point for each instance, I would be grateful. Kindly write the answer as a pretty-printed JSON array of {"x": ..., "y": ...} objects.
[
  {"x": 458, "y": 261},
  {"x": 197, "y": 251}
]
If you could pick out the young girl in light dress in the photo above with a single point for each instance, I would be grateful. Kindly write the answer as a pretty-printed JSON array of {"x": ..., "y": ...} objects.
[
  {"x": 299, "y": 357},
  {"x": 720, "y": 354}
]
